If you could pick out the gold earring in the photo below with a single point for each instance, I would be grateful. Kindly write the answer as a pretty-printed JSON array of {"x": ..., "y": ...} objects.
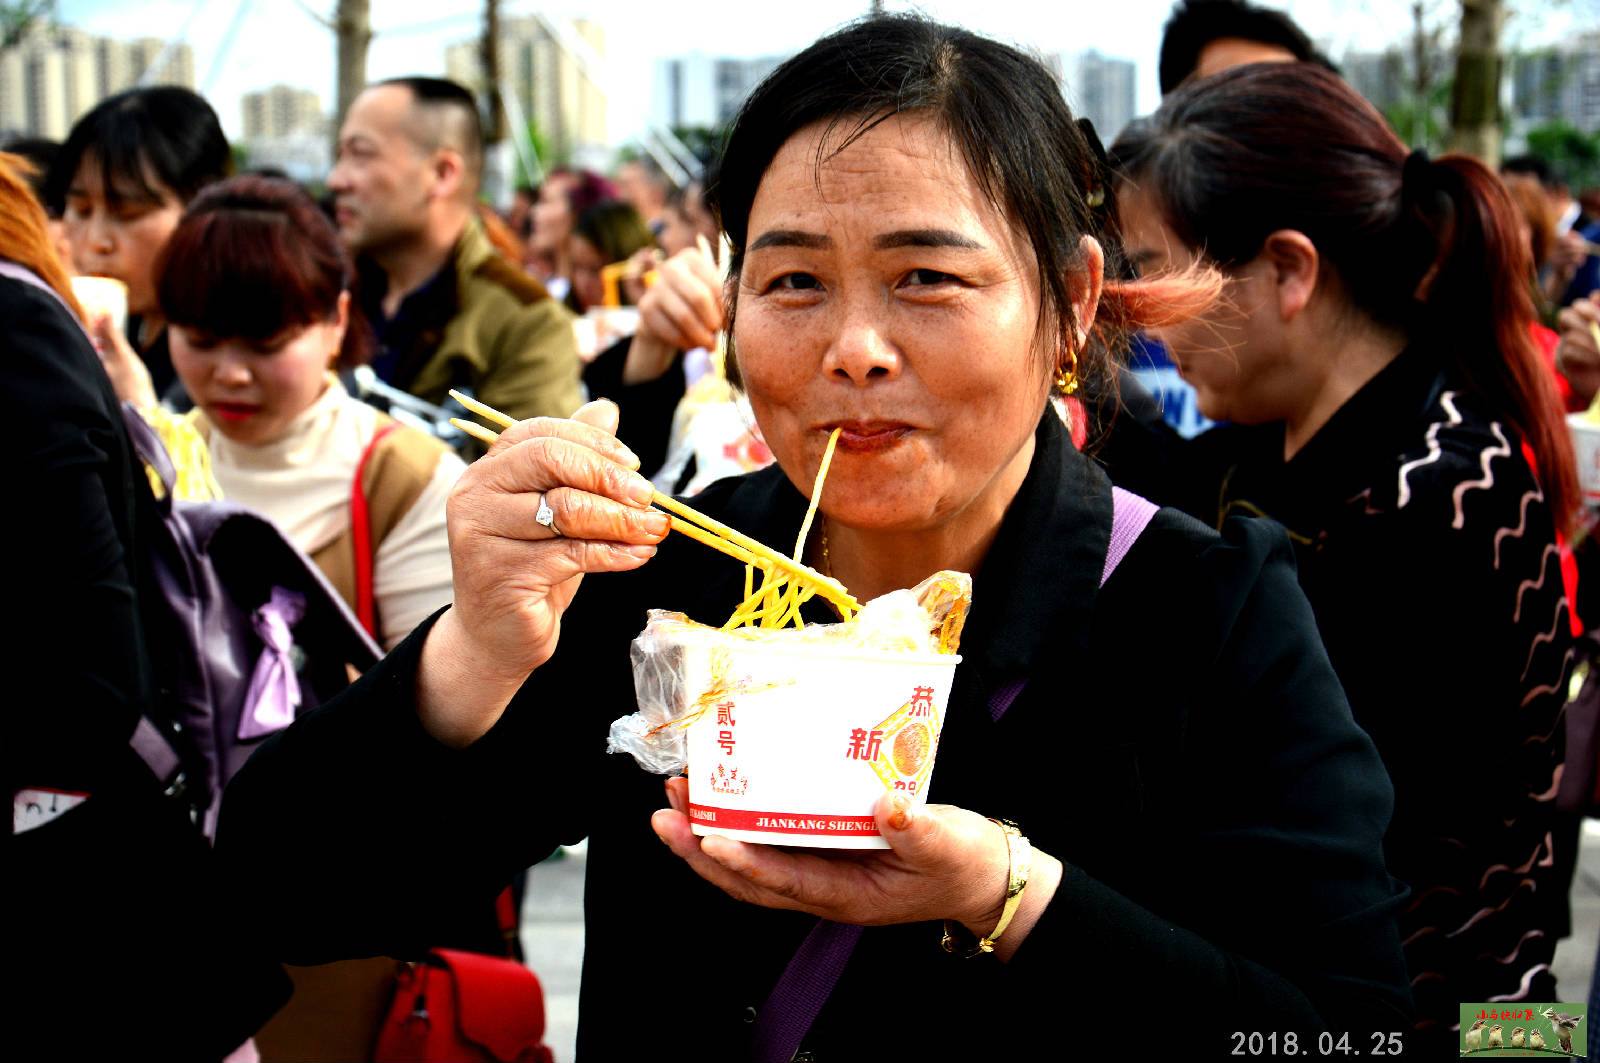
[{"x": 1067, "y": 375}]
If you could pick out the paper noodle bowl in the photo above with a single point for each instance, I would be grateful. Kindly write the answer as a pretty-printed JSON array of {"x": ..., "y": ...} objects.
[{"x": 794, "y": 743}]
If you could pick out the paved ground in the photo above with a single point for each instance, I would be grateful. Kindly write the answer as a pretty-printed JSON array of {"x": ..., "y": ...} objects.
[
  {"x": 552, "y": 942},
  {"x": 1575, "y": 956},
  {"x": 552, "y": 936}
]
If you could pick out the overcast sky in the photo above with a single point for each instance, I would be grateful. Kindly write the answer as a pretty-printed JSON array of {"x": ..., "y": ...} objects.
[{"x": 241, "y": 45}]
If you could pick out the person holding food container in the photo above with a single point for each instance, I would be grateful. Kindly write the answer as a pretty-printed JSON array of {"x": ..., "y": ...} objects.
[
  {"x": 1390, "y": 408},
  {"x": 124, "y": 174},
  {"x": 914, "y": 219}
]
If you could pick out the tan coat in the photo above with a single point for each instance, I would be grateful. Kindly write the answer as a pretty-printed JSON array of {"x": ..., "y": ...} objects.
[{"x": 500, "y": 335}]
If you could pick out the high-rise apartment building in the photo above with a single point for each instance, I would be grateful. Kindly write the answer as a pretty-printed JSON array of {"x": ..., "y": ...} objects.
[
  {"x": 281, "y": 111},
  {"x": 552, "y": 70},
  {"x": 1561, "y": 82},
  {"x": 704, "y": 90},
  {"x": 1100, "y": 88},
  {"x": 53, "y": 75}
]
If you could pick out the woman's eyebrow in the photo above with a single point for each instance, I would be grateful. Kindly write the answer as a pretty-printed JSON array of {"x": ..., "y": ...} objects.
[
  {"x": 926, "y": 238},
  {"x": 888, "y": 241},
  {"x": 790, "y": 238}
]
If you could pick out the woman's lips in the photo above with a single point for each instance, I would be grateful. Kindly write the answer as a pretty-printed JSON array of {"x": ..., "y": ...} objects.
[
  {"x": 233, "y": 412},
  {"x": 871, "y": 435}
]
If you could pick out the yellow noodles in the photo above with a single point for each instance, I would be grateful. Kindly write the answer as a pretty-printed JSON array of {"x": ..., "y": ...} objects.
[
  {"x": 777, "y": 602},
  {"x": 786, "y": 584}
]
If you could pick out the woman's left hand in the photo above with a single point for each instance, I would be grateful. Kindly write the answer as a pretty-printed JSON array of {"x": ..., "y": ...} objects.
[
  {"x": 129, "y": 377},
  {"x": 945, "y": 863}
]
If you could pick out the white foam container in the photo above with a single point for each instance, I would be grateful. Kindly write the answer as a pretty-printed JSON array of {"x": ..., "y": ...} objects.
[
  {"x": 798, "y": 741},
  {"x": 1586, "y": 449},
  {"x": 102, "y": 295}
]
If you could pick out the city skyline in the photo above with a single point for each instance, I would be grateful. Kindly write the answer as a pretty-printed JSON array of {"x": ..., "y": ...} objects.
[
  {"x": 411, "y": 36},
  {"x": 636, "y": 46}
]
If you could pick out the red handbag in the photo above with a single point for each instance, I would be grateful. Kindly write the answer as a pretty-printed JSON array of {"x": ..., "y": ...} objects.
[{"x": 463, "y": 1007}]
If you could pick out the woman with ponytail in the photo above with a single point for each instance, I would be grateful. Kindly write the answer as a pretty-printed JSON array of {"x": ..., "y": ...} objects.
[{"x": 1389, "y": 407}]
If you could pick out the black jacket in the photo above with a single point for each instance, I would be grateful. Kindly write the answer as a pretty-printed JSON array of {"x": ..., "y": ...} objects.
[
  {"x": 1429, "y": 555},
  {"x": 1182, "y": 745},
  {"x": 120, "y": 935}
]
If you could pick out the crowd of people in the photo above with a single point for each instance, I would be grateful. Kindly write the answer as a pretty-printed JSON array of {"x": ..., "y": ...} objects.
[{"x": 1247, "y": 759}]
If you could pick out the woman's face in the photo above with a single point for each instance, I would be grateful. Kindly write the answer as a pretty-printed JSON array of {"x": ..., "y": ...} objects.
[
  {"x": 118, "y": 232},
  {"x": 886, "y": 296},
  {"x": 1233, "y": 355},
  {"x": 552, "y": 216},
  {"x": 252, "y": 391},
  {"x": 587, "y": 287}
]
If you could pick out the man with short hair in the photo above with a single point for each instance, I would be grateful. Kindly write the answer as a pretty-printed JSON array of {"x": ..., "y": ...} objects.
[
  {"x": 1205, "y": 37},
  {"x": 447, "y": 309},
  {"x": 642, "y": 183}
]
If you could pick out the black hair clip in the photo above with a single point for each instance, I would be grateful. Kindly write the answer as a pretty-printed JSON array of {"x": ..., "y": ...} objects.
[
  {"x": 1417, "y": 180},
  {"x": 1095, "y": 194}
]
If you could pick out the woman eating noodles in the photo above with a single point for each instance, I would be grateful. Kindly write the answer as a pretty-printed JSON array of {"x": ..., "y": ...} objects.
[{"x": 913, "y": 216}]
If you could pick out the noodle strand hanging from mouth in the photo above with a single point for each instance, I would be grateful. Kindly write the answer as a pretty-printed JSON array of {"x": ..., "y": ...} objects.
[{"x": 777, "y": 602}]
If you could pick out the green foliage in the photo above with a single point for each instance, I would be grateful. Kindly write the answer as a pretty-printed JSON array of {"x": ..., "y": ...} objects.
[
  {"x": 1424, "y": 122},
  {"x": 705, "y": 141},
  {"x": 15, "y": 16},
  {"x": 542, "y": 151},
  {"x": 1572, "y": 153}
]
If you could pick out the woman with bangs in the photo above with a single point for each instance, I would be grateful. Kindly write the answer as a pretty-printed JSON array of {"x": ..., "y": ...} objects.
[
  {"x": 121, "y": 180},
  {"x": 285, "y": 438},
  {"x": 914, "y": 220}
]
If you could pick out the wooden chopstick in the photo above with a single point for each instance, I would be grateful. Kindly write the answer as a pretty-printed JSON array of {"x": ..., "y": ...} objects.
[
  {"x": 487, "y": 412},
  {"x": 709, "y": 531},
  {"x": 475, "y": 430}
]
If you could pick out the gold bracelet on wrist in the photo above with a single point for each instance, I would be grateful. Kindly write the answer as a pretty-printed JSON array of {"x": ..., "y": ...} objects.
[{"x": 1019, "y": 854}]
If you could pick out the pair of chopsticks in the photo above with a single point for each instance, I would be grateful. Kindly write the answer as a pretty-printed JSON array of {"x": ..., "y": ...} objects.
[{"x": 703, "y": 529}]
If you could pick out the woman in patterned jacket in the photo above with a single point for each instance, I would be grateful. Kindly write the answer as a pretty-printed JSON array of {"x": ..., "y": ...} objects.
[{"x": 1388, "y": 407}]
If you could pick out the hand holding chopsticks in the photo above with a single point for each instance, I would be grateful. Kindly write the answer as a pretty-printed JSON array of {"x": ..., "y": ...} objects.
[
  {"x": 525, "y": 528},
  {"x": 697, "y": 525}
]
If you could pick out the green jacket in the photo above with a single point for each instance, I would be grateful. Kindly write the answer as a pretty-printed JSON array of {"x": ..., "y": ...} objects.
[{"x": 491, "y": 328}]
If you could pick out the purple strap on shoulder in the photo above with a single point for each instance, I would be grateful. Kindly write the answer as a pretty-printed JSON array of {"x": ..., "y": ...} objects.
[
  {"x": 22, "y": 273},
  {"x": 814, "y": 969},
  {"x": 1130, "y": 514}
]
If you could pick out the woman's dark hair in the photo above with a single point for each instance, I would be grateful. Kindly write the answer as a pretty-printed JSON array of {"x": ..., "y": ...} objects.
[
  {"x": 165, "y": 133},
  {"x": 1429, "y": 247},
  {"x": 615, "y": 228},
  {"x": 252, "y": 256},
  {"x": 1006, "y": 115}
]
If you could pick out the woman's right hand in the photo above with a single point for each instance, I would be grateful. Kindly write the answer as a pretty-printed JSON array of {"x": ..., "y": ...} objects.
[
  {"x": 514, "y": 577},
  {"x": 682, "y": 310}
]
